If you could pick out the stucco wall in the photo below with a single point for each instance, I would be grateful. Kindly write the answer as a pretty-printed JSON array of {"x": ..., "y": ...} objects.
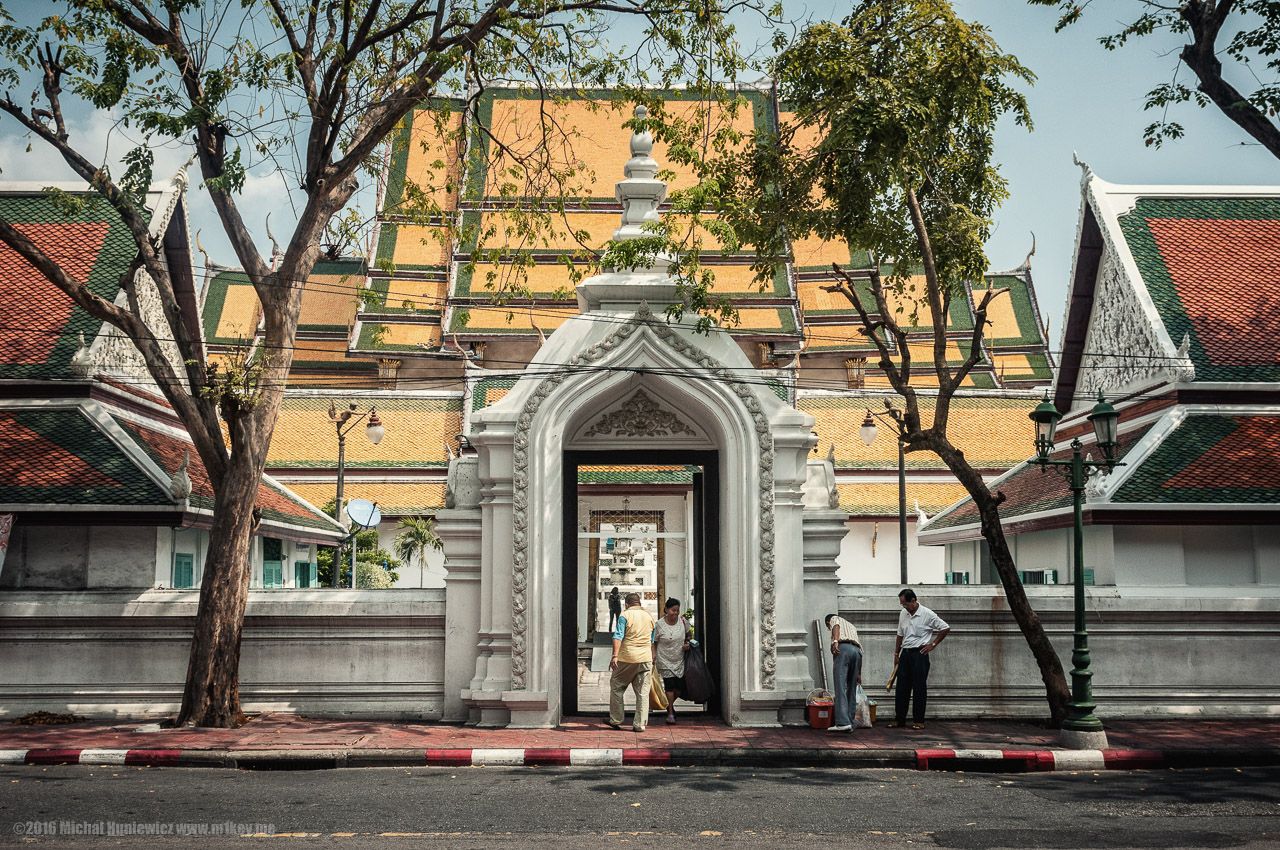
[
  {"x": 925, "y": 564},
  {"x": 1154, "y": 652},
  {"x": 58, "y": 557},
  {"x": 369, "y": 653}
]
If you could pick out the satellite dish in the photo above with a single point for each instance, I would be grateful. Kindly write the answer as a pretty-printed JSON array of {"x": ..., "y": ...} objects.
[{"x": 364, "y": 513}]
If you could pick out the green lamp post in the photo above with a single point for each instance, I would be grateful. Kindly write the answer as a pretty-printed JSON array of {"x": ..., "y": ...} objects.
[{"x": 1082, "y": 729}]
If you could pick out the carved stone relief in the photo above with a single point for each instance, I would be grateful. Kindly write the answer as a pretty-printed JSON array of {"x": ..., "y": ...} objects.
[
  {"x": 1121, "y": 347},
  {"x": 520, "y": 496},
  {"x": 115, "y": 354},
  {"x": 641, "y": 416}
]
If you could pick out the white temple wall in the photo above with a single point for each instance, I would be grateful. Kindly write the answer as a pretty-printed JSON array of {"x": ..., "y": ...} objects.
[
  {"x": 1210, "y": 558},
  {"x": 1204, "y": 663},
  {"x": 321, "y": 653},
  {"x": 75, "y": 557},
  {"x": 925, "y": 564}
]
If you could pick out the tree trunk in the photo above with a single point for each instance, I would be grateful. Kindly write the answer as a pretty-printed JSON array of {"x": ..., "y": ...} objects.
[
  {"x": 1057, "y": 692},
  {"x": 212, "y": 694}
]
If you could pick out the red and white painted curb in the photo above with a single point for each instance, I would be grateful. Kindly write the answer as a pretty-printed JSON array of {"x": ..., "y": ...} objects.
[
  {"x": 140, "y": 758},
  {"x": 932, "y": 759},
  {"x": 1039, "y": 760}
]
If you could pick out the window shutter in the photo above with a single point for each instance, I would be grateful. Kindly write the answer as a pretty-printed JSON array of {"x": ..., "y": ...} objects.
[{"x": 183, "y": 570}]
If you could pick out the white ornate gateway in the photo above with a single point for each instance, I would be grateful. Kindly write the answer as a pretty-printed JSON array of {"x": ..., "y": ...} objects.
[{"x": 621, "y": 376}]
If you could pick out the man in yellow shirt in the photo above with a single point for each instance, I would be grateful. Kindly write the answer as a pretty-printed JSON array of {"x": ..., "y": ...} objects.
[{"x": 632, "y": 663}]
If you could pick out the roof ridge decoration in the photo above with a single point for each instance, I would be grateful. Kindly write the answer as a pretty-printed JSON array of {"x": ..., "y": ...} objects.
[
  {"x": 1126, "y": 344},
  {"x": 640, "y": 192}
]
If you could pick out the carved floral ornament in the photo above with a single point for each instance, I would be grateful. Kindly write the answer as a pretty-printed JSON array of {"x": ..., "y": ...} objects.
[
  {"x": 1121, "y": 346},
  {"x": 644, "y": 319},
  {"x": 641, "y": 416}
]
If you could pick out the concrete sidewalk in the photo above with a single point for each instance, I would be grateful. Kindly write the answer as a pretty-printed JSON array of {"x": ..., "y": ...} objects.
[{"x": 281, "y": 741}]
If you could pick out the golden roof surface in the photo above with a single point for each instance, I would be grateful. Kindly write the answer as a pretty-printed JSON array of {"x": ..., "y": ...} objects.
[
  {"x": 240, "y": 313},
  {"x": 422, "y": 295},
  {"x": 881, "y": 498},
  {"x": 421, "y": 245},
  {"x": 433, "y": 155},
  {"x": 992, "y": 431},
  {"x": 595, "y": 144},
  {"x": 305, "y": 437},
  {"x": 512, "y": 319},
  {"x": 394, "y": 498},
  {"x": 331, "y": 299}
]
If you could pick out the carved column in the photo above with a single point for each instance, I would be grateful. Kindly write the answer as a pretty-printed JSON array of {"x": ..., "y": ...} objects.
[
  {"x": 793, "y": 441},
  {"x": 459, "y": 527},
  {"x": 824, "y": 532}
]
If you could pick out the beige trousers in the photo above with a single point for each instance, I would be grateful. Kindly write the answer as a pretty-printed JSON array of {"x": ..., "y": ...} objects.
[{"x": 636, "y": 674}]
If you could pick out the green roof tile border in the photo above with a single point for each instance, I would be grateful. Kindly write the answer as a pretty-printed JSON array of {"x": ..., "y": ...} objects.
[
  {"x": 1155, "y": 273},
  {"x": 1190, "y": 441},
  {"x": 102, "y": 280},
  {"x": 73, "y": 431}
]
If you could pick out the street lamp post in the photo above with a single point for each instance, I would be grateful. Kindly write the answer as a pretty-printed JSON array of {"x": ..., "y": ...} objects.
[
  {"x": 375, "y": 431},
  {"x": 868, "y": 435},
  {"x": 1082, "y": 729}
]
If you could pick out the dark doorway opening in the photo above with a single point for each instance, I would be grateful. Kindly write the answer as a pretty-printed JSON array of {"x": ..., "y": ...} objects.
[{"x": 703, "y": 562}]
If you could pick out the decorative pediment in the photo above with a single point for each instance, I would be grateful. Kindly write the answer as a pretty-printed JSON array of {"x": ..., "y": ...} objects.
[
  {"x": 640, "y": 416},
  {"x": 1122, "y": 348}
]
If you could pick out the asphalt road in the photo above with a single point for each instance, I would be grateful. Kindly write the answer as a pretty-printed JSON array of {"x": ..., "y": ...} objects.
[{"x": 569, "y": 808}]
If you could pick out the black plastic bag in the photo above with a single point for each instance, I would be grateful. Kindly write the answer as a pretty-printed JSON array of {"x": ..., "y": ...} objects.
[{"x": 698, "y": 684}]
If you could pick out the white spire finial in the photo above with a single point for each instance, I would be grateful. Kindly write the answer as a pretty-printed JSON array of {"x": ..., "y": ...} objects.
[
  {"x": 82, "y": 360},
  {"x": 180, "y": 481},
  {"x": 640, "y": 193}
]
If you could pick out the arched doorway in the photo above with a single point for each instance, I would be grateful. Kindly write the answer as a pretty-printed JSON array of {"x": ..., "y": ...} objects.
[{"x": 703, "y": 562}]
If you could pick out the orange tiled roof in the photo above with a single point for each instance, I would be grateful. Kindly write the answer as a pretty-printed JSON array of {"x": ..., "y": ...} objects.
[
  {"x": 330, "y": 295},
  {"x": 24, "y": 292},
  {"x": 992, "y": 431},
  {"x": 420, "y": 245},
  {"x": 1211, "y": 266},
  {"x": 595, "y": 144},
  {"x": 305, "y": 438},
  {"x": 881, "y": 499},
  {"x": 394, "y": 498},
  {"x": 511, "y": 319},
  {"x": 430, "y": 152}
]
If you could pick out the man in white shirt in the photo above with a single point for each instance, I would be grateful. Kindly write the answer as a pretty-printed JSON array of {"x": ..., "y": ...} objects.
[{"x": 919, "y": 633}]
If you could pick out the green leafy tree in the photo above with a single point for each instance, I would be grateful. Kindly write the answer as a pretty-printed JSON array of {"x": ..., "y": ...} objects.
[
  {"x": 891, "y": 150},
  {"x": 312, "y": 89},
  {"x": 1245, "y": 33},
  {"x": 375, "y": 566}
]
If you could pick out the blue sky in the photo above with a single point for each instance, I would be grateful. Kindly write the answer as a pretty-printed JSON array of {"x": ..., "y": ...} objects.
[{"x": 1086, "y": 99}]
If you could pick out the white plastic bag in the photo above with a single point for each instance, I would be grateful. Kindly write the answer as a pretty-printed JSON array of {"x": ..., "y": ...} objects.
[{"x": 862, "y": 711}]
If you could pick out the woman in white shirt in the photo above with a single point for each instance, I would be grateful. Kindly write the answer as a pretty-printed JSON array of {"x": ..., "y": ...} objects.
[{"x": 672, "y": 634}]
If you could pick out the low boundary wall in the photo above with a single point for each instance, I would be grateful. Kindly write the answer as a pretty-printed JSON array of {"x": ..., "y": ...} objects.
[
  {"x": 320, "y": 653},
  {"x": 1194, "y": 651}
]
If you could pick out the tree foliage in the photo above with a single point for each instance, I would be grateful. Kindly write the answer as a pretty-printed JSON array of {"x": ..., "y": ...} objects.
[
  {"x": 891, "y": 149},
  {"x": 1245, "y": 33},
  {"x": 312, "y": 89}
]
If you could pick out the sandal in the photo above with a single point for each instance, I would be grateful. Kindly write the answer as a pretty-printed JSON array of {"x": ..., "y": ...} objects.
[
  {"x": 671, "y": 719},
  {"x": 897, "y": 725},
  {"x": 917, "y": 725}
]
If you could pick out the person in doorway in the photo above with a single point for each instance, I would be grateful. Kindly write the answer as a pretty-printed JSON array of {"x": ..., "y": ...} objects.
[
  {"x": 846, "y": 669},
  {"x": 615, "y": 607},
  {"x": 632, "y": 663},
  {"x": 672, "y": 641},
  {"x": 919, "y": 633}
]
